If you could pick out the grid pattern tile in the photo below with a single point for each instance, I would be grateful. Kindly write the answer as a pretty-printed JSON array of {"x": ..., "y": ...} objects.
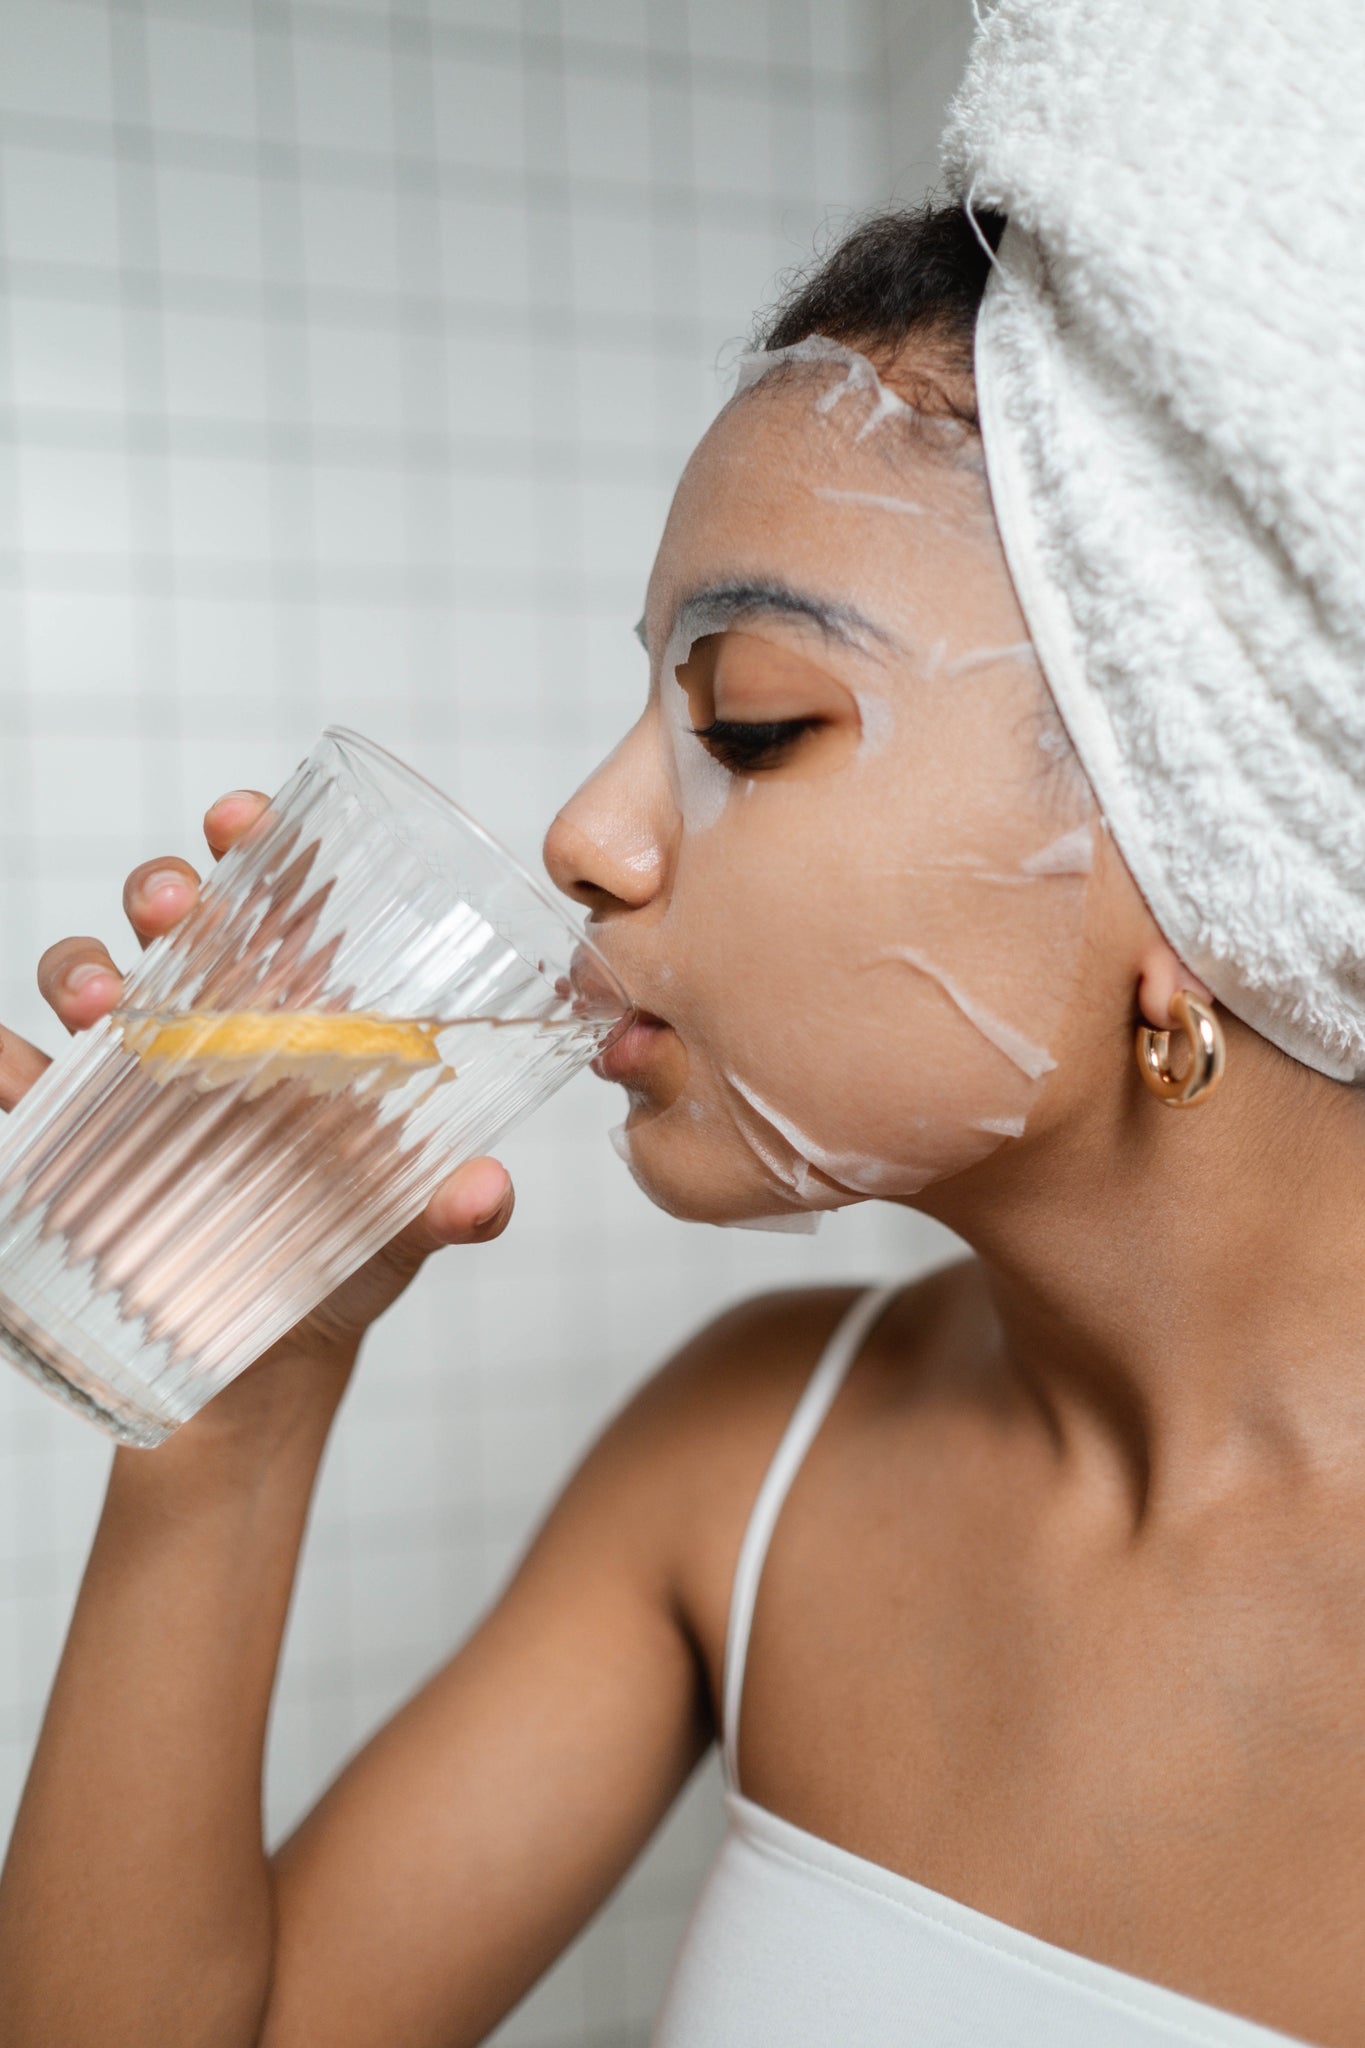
[{"x": 348, "y": 353}]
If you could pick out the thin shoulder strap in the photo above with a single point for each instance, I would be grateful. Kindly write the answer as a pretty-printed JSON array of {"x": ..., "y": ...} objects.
[{"x": 809, "y": 1412}]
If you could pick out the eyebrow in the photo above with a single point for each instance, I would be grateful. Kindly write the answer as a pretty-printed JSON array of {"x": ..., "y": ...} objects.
[{"x": 717, "y": 605}]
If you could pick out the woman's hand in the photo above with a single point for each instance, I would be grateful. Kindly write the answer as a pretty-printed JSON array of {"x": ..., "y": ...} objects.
[{"x": 80, "y": 981}]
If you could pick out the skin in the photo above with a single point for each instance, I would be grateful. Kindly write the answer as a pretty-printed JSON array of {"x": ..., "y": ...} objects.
[{"x": 1061, "y": 1618}]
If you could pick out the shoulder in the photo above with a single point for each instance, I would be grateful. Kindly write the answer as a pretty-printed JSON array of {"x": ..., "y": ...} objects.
[
  {"x": 730, "y": 1389},
  {"x": 658, "y": 1507},
  {"x": 692, "y": 1444}
]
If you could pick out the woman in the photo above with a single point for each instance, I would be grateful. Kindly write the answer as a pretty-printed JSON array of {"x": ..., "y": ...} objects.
[{"x": 1049, "y": 1664}]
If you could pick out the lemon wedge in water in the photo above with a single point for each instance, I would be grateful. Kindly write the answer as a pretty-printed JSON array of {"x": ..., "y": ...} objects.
[{"x": 325, "y": 1048}]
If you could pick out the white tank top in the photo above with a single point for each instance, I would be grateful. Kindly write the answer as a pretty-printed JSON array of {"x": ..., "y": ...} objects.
[{"x": 795, "y": 1943}]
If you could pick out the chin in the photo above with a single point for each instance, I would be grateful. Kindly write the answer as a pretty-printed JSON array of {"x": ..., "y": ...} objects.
[{"x": 703, "y": 1179}]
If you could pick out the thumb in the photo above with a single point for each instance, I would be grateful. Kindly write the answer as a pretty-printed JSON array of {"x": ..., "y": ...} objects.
[
  {"x": 474, "y": 1205},
  {"x": 21, "y": 1064}
]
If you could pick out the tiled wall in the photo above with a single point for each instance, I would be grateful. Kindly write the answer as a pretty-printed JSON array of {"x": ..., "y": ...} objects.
[{"x": 347, "y": 355}]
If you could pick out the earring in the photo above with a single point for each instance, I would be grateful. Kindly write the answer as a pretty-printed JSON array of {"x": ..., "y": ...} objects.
[{"x": 1205, "y": 1034}]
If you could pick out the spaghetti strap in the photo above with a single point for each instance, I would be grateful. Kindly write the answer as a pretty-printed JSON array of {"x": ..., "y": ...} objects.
[{"x": 810, "y": 1411}]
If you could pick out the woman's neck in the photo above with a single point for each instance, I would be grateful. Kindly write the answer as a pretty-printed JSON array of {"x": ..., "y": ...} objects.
[{"x": 1186, "y": 1288}]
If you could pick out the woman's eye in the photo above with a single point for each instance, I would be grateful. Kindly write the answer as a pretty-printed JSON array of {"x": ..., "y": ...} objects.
[{"x": 745, "y": 748}]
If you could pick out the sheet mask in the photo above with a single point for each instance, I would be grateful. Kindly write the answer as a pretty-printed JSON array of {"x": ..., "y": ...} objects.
[{"x": 866, "y": 949}]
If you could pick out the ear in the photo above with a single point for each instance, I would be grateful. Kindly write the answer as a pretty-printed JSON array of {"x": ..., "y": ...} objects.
[{"x": 1160, "y": 974}]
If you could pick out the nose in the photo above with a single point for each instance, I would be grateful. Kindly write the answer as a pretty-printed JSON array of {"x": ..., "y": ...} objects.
[{"x": 607, "y": 848}]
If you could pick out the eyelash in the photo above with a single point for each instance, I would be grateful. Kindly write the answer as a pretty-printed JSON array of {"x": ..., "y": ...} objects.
[{"x": 746, "y": 748}]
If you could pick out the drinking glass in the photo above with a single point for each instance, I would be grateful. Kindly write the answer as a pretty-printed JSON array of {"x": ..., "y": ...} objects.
[{"x": 368, "y": 991}]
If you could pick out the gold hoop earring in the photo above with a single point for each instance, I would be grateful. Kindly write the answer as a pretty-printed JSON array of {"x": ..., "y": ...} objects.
[{"x": 1208, "y": 1053}]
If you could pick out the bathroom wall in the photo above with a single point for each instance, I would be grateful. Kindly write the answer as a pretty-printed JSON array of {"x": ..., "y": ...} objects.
[{"x": 348, "y": 352}]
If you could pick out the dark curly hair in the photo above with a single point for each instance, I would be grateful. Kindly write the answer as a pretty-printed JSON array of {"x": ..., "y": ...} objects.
[{"x": 914, "y": 274}]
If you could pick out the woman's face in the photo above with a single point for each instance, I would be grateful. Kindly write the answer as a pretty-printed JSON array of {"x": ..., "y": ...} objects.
[{"x": 843, "y": 857}]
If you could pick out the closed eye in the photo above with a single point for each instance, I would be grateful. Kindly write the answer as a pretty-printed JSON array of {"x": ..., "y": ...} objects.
[{"x": 746, "y": 749}]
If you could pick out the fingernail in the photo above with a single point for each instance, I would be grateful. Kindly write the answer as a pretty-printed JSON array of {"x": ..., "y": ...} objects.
[
  {"x": 159, "y": 882},
  {"x": 234, "y": 796},
  {"x": 494, "y": 1206},
  {"x": 81, "y": 975}
]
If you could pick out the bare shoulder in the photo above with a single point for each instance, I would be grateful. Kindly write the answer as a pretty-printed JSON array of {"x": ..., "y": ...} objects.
[{"x": 692, "y": 1444}]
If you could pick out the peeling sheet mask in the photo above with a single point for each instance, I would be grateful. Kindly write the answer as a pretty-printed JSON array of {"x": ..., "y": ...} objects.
[{"x": 867, "y": 928}]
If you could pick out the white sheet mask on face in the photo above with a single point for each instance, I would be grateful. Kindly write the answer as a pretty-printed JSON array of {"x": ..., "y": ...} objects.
[
  {"x": 868, "y": 965},
  {"x": 701, "y": 785},
  {"x": 1071, "y": 854},
  {"x": 877, "y": 717},
  {"x": 1030, "y": 1059},
  {"x": 880, "y": 501},
  {"x": 800, "y": 1223}
]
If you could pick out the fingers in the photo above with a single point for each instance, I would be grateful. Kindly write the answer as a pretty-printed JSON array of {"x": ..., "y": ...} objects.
[
  {"x": 158, "y": 894},
  {"x": 472, "y": 1207},
  {"x": 80, "y": 981},
  {"x": 230, "y": 816},
  {"x": 20, "y": 1066}
]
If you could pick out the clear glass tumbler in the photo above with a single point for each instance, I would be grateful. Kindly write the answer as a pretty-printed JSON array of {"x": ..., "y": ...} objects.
[{"x": 369, "y": 991}]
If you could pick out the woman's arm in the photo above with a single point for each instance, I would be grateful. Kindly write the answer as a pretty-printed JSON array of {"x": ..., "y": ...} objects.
[
  {"x": 463, "y": 1848},
  {"x": 458, "y": 1853},
  {"x": 136, "y": 1903}
]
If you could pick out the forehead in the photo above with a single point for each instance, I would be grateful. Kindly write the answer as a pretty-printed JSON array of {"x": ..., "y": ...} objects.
[{"x": 810, "y": 480}]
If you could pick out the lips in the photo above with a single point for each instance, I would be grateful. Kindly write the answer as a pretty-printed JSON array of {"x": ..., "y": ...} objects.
[{"x": 629, "y": 1054}]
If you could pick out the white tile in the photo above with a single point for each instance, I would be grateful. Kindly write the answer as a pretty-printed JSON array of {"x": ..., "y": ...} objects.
[
  {"x": 495, "y": 14},
  {"x": 54, "y": 60},
  {"x": 226, "y": 647},
  {"x": 355, "y": 376},
  {"x": 349, "y": 237},
  {"x": 59, "y": 208},
  {"x": 845, "y": 155},
  {"x": 74, "y": 500},
  {"x": 617, "y": 395},
  {"x": 740, "y": 269},
  {"x": 495, "y": 656},
  {"x": 249, "y": 753},
  {"x": 202, "y": 76},
  {"x": 733, "y": 143},
  {"x": 618, "y": 672},
  {"x": 81, "y": 641},
  {"x": 607, "y": 120},
  {"x": 613, "y": 262},
  {"x": 209, "y": 223},
  {"x": 343, "y": 94},
  {"x": 68, "y": 355},
  {"x": 394, "y": 1599},
  {"x": 484, "y": 251},
  {"x": 360, "y": 648},
  {"x": 621, "y": 524},
  {"x": 220, "y": 508},
  {"x": 215, "y": 366},
  {"x": 624, "y": 24},
  {"x": 480, "y": 111},
  {"x": 428, "y": 524},
  {"x": 493, "y": 521},
  {"x": 719, "y": 29},
  {"x": 82, "y": 781},
  {"x": 849, "y": 40},
  {"x": 359, "y": 518},
  {"x": 491, "y": 385}
]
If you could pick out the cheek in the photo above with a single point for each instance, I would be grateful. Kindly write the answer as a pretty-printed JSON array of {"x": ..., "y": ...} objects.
[{"x": 875, "y": 966}]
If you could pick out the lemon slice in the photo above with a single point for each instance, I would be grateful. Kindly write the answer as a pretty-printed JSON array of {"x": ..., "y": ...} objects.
[{"x": 329, "y": 1050}]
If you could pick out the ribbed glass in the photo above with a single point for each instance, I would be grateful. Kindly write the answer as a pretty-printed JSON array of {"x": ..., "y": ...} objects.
[{"x": 162, "y": 1223}]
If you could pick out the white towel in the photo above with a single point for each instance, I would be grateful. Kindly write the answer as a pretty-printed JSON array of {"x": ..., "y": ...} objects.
[{"x": 1171, "y": 368}]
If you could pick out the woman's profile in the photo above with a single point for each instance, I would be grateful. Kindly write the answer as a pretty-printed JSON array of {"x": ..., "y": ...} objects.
[{"x": 990, "y": 842}]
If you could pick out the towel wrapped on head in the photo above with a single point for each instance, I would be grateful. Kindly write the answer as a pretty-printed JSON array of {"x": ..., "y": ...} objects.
[{"x": 1171, "y": 375}]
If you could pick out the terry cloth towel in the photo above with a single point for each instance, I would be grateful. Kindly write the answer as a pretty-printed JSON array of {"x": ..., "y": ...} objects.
[{"x": 1171, "y": 368}]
